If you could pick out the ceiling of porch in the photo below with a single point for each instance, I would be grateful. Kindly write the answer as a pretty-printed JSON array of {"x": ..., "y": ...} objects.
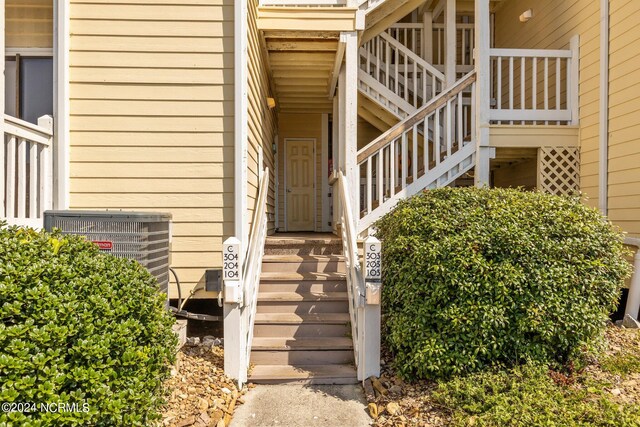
[{"x": 301, "y": 66}]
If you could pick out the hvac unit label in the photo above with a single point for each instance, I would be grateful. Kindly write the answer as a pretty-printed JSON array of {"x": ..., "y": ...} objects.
[{"x": 104, "y": 245}]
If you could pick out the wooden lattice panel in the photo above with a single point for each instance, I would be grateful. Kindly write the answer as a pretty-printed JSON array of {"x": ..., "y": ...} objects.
[{"x": 559, "y": 170}]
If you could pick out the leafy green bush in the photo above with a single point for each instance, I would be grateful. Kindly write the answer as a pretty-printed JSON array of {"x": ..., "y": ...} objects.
[
  {"x": 478, "y": 277},
  {"x": 78, "y": 328},
  {"x": 527, "y": 396}
]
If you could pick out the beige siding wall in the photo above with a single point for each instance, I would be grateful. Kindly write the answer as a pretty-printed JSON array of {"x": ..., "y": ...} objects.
[
  {"x": 300, "y": 126},
  {"x": 520, "y": 175},
  {"x": 366, "y": 132},
  {"x": 624, "y": 116},
  {"x": 262, "y": 120},
  {"x": 553, "y": 25},
  {"x": 29, "y": 23},
  {"x": 152, "y": 118}
]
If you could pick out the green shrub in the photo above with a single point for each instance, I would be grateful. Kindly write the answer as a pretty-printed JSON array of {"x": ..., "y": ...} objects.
[
  {"x": 79, "y": 327},
  {"x": 478, "y": 277},
  {"x": 527, "y": 396}
]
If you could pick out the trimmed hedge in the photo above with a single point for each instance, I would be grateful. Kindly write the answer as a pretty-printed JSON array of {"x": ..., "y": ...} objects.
[
  {"x": 79, "y": 328},
  {"x": 480, "y": 277}
]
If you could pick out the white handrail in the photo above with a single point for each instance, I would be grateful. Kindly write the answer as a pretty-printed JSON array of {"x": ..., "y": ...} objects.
[
  {"x": 534, "y": 86},
  {"x": 252, "y": 266},
  {"x": 26, "y": 181},
  {"x": 400, "y": 70},
  {"x": 355, "y": 279},
  {"x": 426, "y": 148}
]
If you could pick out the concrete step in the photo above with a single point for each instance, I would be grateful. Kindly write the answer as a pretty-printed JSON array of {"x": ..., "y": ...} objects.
[
  {"x": 302, "y": 357},
  {"x": 299, "y": 326},
  {"x": 303, "y": 264},
  {"x": 307, "y": 374}
]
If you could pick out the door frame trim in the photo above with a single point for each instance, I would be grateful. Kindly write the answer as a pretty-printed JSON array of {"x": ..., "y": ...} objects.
[{"x": 315, "y": 195}]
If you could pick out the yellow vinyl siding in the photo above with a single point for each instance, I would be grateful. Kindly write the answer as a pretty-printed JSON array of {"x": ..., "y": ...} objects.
[
  {"x": 552, "y": 26},
  {"x": 624, "y": 116},
  {"x": 262, "y": 122},
  {"x": 151, "y": 105},
  {"x": 523, "y": 174},
  {"x": 300, "y": 126},
  {"x": 29, "y": 23}
]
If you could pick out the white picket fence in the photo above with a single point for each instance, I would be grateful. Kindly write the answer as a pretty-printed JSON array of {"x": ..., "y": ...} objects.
[{"x": 26, "y": 182}]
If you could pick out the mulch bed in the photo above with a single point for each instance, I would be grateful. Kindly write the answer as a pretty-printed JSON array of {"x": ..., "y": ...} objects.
[
  {"x": 399, "y": 403},
  {"x": 199, "y": 394}
]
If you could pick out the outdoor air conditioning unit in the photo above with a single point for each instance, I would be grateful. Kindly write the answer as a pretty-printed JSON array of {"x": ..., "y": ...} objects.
[{"x": 142, "y": 236}]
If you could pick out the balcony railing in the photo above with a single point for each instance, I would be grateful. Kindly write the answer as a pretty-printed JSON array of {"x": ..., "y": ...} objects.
[
  {"x": 534, "y": 86},
  {"x": 26, "y": 182}
]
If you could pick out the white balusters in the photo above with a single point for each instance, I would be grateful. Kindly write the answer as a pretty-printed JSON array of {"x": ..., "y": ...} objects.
[
  {"x": 523, "y": 75},
  {"x": 407, "y": 80},
  {"x": 25, "y": 171},
  {"x": 401, "y": 156}
]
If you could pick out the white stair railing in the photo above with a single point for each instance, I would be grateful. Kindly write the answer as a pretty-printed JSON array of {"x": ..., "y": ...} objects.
[
  {"x": 252, "y": 267},
  {"x": 409, "y": 34},
  {"x": 26, "y": 182},
  {"x": 534, "y": 86},
  {"x": 355, "y": 278},
  {"x": 399, "y": 70},
  {"x": 465, "y": 36},
  {"x": 402, "y": 161}
]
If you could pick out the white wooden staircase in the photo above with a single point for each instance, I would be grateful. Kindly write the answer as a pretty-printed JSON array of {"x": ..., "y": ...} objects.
[
  {"x": 427, "y": 138},
  {"x": 302, "y": 325}
]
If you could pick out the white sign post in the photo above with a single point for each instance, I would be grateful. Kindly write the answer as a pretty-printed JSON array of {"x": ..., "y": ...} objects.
[
  {"x": 231, "y": 270},
  {"x": 372, "y": 269}
]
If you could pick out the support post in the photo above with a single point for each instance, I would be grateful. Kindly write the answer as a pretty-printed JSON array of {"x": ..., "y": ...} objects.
[
  {"x": 61, "y": 105},
  {"x": 241, "y": 129},
  {"x": 427, "y": 37},
  {"x": 370, "y": 313},
  {"x": 335, "y": 129},
  {"x": 349, "y": 120},
  {"x": 483, "y": 93},
  {"x": 633, "y": 299},
  {"x": 450, "y": 43},
  {"x": 2, "y": 107},
  {"x": 603, "y": 143},
  {"x": 235, "y": 346},
  {"x": 46, "y": 181}
]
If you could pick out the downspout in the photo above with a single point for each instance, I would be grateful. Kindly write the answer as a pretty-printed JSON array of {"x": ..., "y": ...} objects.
[
  {"x": 603, "y": 182},
  {"x": 633, "y": 299}
]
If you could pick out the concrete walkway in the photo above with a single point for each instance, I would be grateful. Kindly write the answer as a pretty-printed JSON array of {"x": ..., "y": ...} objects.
[{"x": 303, "y": 405}]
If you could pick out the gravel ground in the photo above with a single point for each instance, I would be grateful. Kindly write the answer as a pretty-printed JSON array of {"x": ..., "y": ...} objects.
[
  {"x": 200, "y": 395},
  {"x": 411, "y": 404}
]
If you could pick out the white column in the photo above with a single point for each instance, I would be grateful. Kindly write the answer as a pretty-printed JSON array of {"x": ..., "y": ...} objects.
[
  {"x": 349, "y": 120},
  {"x": 427, "y": 37},
  {"x": 335, "y": 130},
  {"x": 633, "y": 300},
  {"x": 450, "y": 42},
  {"x": 483, "y": 95},
  {"x": 2, "y": 41},
  {"x": 61, "y": 105},
  {"x": 235, "y": 334},
  {"x": 369, "y": 314},
  {"x": 241, "y": 128}
]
